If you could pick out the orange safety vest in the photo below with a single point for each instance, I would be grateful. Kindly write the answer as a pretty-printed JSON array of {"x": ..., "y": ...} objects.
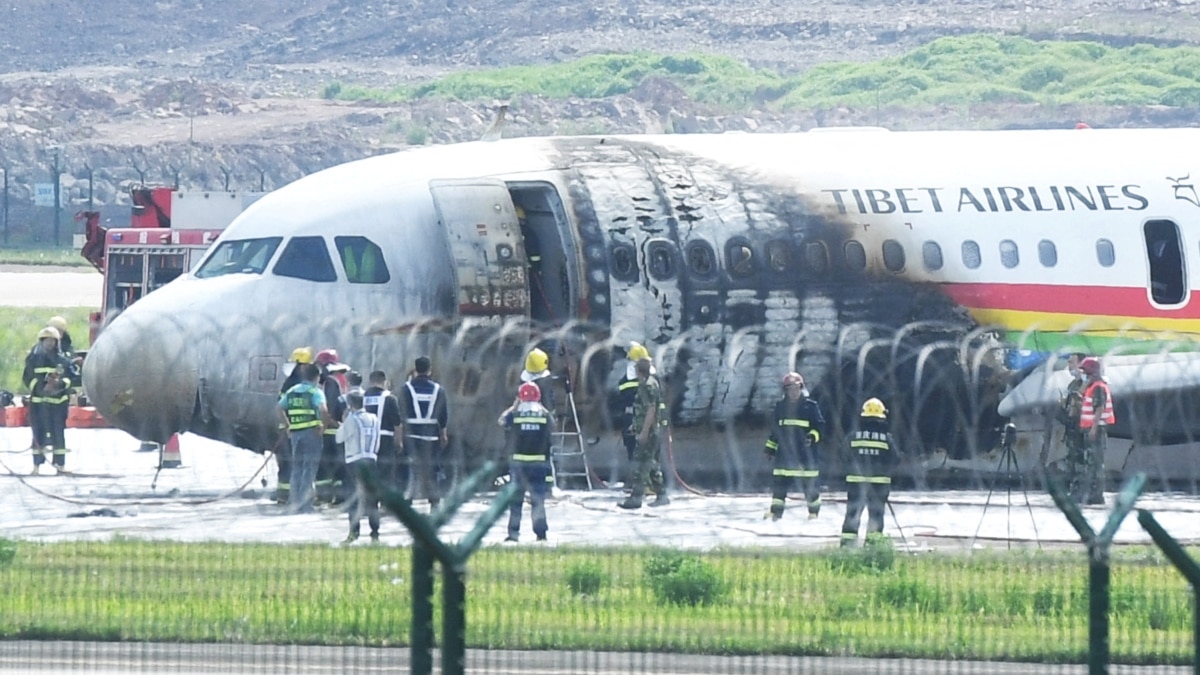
[{"x": 1087, "y": 415}]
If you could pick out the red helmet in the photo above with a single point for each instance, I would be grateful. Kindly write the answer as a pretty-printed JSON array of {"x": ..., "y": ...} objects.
[
  {"x": 792, "y": 378},
  {"x": 326, "y": 357},
  {"x": 529, "y": 392},
  {"x": 1090, "y": 365}
]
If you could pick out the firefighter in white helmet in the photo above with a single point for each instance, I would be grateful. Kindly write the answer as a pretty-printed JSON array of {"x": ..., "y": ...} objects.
[
  {"x": 532, "y": 428},
  {"x": 48, "y": 376},
  {"x": 873, "y": 456},
  {"x": 793, "y": 446}
]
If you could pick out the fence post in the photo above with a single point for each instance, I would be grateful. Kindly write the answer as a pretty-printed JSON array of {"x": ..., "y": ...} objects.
[
  {"x": 1186, "y": 566},
  {"x": 1099, "y": 544}
]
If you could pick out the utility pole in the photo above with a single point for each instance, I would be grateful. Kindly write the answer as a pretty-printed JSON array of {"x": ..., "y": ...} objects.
[
  {"x": 5, "y": 170},
  {"x": 54, "y": 175}
]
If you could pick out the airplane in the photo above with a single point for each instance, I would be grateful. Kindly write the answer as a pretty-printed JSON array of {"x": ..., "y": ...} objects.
[{"x": 945, "y": 272}]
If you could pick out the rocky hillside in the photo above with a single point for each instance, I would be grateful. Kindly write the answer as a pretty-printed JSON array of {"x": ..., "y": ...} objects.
[{"x": 211, "y": 93}]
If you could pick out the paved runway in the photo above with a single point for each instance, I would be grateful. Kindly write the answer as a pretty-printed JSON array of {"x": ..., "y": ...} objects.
[{"x": 34, "y": 286}]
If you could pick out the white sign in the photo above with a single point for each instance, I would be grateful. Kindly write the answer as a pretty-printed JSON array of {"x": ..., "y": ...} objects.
[{"x": 43, "y": 194}]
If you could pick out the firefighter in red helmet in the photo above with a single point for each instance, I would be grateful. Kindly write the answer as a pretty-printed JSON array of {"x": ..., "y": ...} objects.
[
  {"x": 531, "y": 426},
  {"x": 331, "y": 474},
  {"x": 1095, "y": 416}
]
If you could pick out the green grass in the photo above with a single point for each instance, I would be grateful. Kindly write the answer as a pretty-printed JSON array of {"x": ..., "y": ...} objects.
[
  {"x": 65, "y": 257},
  {"x": 18, "y": 333},
  {"x": 1014, "y": 606},
  {"x": 974, "y": 69}
]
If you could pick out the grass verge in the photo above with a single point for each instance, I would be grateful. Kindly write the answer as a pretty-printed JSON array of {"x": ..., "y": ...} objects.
[
  {"x": 1015, "y": 606},
  {"x": 18, "y": 333},
  {"x": 56, "y": 257}
]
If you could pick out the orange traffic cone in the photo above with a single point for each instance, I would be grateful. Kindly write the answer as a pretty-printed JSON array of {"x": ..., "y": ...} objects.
[{"x": 169, "y": 457}]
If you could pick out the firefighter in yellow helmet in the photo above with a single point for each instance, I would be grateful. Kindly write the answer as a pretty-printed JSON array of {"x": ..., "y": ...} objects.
[
  {"x": 64, "y": 337},
  {"x": 537, "y": 371},
  {"x": 283, "y": 450},
  {"x": 626, "y": 395},
  {"x": 872, "y": 458},
  {"x": 48, "y": 376},
  {"x": 649, "y": 423}
]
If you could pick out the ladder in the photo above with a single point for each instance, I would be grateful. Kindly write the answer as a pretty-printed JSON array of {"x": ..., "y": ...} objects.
[{"x": 567, "y": 444}]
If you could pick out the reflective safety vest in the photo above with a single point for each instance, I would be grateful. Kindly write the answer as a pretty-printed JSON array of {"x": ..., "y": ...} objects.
[
  {"x": 424, "y": 416},
  {"x": 871, "y": 455},
  {"x": 533, "y": 436},
  {"x": 301, "y": 412},
  {"x": 373, "y": 403},
  {"x": 1087, "y": 415}
]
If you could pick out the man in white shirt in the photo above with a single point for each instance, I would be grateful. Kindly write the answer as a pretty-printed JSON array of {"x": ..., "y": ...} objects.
[{"x": 360, "y": 434}]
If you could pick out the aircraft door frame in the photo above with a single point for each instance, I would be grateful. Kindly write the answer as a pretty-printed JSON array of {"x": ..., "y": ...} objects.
[
  {"x": 487, "y": 249},
  {"x": 1166, "y": 263}
]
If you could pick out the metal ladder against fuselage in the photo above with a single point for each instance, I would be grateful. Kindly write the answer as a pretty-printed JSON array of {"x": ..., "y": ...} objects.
[{"x": 567, "y": 444}]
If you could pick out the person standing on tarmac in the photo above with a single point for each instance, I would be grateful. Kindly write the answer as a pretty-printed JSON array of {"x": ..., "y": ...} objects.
[
  {"x": 1095, "y": 416},
  {"x": 283, "y": 449},
  {"x": 304, "y": 411},
  {"x": 648, "y": 421},
  {"x": 532, "y": 427},
  {"x": 424, "y": 438},
  {"x": 626, "y": 395},
  {"x": 48, "y": 375},
  {"x": 331, "y": 472},
  {"x": 1070, "y": 407},
  {"x": 359, "y": 435},
  {"x": 795, "y": 432},
  {"x": 380, "y": 402},
  {"x": 873, "y": 458}
]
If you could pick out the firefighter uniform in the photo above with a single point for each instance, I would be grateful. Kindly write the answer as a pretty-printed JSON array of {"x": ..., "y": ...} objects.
[
  {"x": 872, "y": 459},
  {"x": 531, "y": 428},
  {"x": 331, "y": 473},
  {"x": 1095, "y": 416},
  {"x": 48, "y": 375},
  {"x": 793, "y": 445},
  {"x": 426, "y": 417},
  {"x": 302, "y": 405},
  {"x": 283, "y": 449},
  {"x": 393, "y": 471},
  {"x": 646, "y": 470}
]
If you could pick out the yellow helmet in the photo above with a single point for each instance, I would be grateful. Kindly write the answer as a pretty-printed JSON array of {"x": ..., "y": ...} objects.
[
  {"x": 302, "y": 355},
  {"x": 873, "y": 407},
  {"x": 49, "y": 332},
  {"x": 637, "y": 352},
  {"x": 57, "y": 322},
  {"x": 537, "y": 361}
]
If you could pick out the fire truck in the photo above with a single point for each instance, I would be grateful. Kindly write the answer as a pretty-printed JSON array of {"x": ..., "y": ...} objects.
[{"x": 168, "y": 234}]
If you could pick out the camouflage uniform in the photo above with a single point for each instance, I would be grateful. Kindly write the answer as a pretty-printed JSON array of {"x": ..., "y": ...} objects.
[
  {"x": 645, "y": 456},
  {"x": 1073, "y": 439}
]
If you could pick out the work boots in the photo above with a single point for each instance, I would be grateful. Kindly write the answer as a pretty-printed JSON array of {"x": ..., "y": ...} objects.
[
  {"x": 661, "y": 500},
  {"x": 633, "y": 501}
]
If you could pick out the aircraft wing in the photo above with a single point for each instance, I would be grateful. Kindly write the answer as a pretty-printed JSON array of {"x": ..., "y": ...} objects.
[{"x": 1128, "y": 375}]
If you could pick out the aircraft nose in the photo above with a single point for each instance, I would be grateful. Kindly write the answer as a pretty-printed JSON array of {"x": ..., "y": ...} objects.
[{"x": 141, "y": 376}]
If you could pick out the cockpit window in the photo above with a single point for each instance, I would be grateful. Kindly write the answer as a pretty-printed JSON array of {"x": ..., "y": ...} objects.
[
  {"x": 306, "y": 258},
  {"x": 362, "y": 259},
  {"x": 242, "y": 256}
]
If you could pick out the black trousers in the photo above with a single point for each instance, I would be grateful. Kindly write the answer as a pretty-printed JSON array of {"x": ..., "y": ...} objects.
[
  {"x": 782, "y": 484},
  {"x": 874, "y": 497}
]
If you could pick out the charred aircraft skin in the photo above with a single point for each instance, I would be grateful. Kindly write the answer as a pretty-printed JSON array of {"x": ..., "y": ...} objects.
[{"x": 714, "y": 250}]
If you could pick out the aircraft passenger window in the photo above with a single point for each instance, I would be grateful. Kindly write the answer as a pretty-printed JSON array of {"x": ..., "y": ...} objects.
[
  {"x": 662, "y": 260},
  {"x": 739, "y": 258},
  {"x": 971, "y": 256},
  {"x": 362, "y": 259},
  {"x": 1168, "y": 277},
  {"x": 700, "y": 258},
  {"x": 624, "y": 262},
  {"x": 1010, "y": 257},
  {"x": 893, "y": 255},
  {"x": 816, "y": 256},
  {"x": 931, "y": 255},
  {"x": 242, "y": 256},
  {"x": 306, "y": 258},
  {"x": 779, "y": 255},
  {"x": 856, "y": 255},
  {"x": 1105, "y": 252},
  {"x": 1047, "y": 253}
]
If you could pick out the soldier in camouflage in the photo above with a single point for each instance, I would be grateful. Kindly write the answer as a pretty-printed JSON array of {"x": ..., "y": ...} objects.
[{"x": 649, "y": 422}]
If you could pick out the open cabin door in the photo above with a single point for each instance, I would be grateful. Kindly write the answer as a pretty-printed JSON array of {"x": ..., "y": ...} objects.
[{"x": 485, "y": 242}]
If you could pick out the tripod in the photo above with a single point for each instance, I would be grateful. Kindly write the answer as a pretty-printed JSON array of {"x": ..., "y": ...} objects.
[{"x": 1008, "y": 461}]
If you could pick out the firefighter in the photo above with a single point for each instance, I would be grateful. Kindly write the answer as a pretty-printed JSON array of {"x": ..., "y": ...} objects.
[
  {"x": 48, "y": 376},
  {"x": 304, "y": 411},
  {"x": 423, "y": 436},
  {"x": 283, "y": 449},
  {"x": 1068, "y": 414},
  {"x": 648, "y": 421},
  {"x": 873, "y": 457},
  {"x": 1095, "y": 416},
  {"x": 64, "y": 340},
  {"x": 626, "y": 394},
  {"x": 331, "y": 473},
  {"x": 380, "y": 402},
  {"x": 793, "y": 445},
  {"x": 537, "y": 371},
  {"x": 532, "y": 427}
]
